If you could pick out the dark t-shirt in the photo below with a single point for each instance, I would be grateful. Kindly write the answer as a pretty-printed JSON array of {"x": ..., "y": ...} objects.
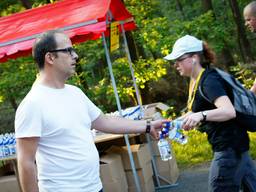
[{"x": 221, "y": 135}]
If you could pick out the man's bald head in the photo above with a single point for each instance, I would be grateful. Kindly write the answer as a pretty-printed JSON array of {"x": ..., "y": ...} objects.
[
  {"x": 251, "y": 9},
  {"x": 250, "y": 16}
]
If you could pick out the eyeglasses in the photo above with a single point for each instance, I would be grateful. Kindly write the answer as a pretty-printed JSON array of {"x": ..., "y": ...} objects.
[
  {"x": 181, "y": 58},
  {"x": 69, "y": 50}
]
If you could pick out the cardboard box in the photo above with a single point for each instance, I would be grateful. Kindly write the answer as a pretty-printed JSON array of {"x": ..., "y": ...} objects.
[
  {"x": 9, "y": 184},
  {"x": 112, "y": 173},
  {"x": 116, "y": 186},
  {"x": 167, "y": 169},
  {"x": 144, "y": 174},
  {"x": 111, "y": 168},
  {"x": 155, "y": 149},
  {"x": 140, "y": 153},
  {"x": 148, "y": 186},
  {"x": 151, "y": 109}
]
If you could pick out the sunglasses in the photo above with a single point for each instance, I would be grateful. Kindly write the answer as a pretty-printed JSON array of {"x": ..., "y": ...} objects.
[{"x": 69, "y": 50}]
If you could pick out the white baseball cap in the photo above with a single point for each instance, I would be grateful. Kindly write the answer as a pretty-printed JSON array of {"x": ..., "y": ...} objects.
[{"x": 185, "y": 44}]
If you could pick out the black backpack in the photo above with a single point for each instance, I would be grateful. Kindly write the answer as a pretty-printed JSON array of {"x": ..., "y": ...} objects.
[{"x": 244, "y": 101}]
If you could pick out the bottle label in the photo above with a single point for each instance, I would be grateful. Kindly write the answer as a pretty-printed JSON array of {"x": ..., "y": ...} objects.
[{"x": 165, "y": 150}]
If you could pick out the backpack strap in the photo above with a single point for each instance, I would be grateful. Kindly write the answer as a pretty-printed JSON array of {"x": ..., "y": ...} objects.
[
  {"x": 202, "y": 94},
  {"x": 200, "y": 89}
]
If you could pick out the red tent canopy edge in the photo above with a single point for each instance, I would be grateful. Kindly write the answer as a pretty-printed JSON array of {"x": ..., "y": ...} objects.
[{"x": 17, "y": 39}]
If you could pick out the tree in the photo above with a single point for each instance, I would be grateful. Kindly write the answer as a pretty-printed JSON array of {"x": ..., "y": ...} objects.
[
  {"x": 26, "y": 4},
  {"x": 207, "y": 6},
  {"x": 244, "y": 44}
]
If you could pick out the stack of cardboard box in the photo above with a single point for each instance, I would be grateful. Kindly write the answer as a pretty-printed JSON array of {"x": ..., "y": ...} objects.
[
  {"x": 142, "y": 161},
  {"x": 153, "y": 110},
  {"x": 112, "y": 173},
  {"x": 167, "y": 169}
]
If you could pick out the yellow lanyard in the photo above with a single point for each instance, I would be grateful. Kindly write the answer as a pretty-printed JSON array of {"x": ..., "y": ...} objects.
[{"x": 192, "y": 90}]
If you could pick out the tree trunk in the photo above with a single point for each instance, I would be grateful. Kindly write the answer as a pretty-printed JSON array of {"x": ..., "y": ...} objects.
[
  {"x": 207, "y": 5},
  {"x": 245, "y": 45},
  {"x": 132, "y": 46},
  {"x": 226, "y": 59},
  {"x": 180, "y": 8},
  {"x": 26, "y": 3},
  {"x": 13, "y": 103}
]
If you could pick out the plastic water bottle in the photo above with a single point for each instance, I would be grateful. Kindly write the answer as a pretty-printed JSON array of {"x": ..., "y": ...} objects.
[
  {"x": 1, "y": 147},
  {"x": 6, "y": 145},
  {"x": 11, "y": 146},
  {"x": 174, "y": 130},
  {"x": 164, "y": 148}
]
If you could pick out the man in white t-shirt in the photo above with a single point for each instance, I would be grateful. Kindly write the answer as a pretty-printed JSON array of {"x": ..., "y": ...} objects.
[{"x": 53, "y": 124}]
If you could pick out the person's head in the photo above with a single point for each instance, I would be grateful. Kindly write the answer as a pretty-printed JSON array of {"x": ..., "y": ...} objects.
[
  {"x": 188, "y": 53},
  {"x": 250, "y": 16},
  {"x": 54, "y": 48}
]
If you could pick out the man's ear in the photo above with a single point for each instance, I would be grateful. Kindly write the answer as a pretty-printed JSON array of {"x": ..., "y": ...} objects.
[{"x": 49, "y": 58}]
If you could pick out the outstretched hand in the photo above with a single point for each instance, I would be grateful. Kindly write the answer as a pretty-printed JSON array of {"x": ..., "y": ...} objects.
[
  {"x": 157, "y": 126},
  {"x": 191, "y": 120}
]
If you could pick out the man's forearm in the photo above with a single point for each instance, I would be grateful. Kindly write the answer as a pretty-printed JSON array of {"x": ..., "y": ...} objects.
[
  {"x": 120, "y": 125},
  {"x": 28, "y": 178}
]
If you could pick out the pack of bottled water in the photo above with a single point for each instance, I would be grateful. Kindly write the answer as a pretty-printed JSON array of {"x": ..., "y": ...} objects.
[
  {"x": 174, "y": 131},
  {"x": 7, "y": 145},
  {"x": 134, "y": 113}
]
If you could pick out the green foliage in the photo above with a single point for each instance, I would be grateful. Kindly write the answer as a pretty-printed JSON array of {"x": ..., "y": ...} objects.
[
  {"x": 243, "y": 74},
  {"x": 16, "y": 78},
  {"x": 198, "y": 150},
  {"x": 253, "y": 145}
]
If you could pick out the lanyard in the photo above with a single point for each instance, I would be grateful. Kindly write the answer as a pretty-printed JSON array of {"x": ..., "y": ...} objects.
[{"x": 192, "y": 90}]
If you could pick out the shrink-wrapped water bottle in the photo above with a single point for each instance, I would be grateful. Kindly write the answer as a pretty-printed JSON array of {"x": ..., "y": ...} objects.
[
  {"x": 1, "y": 147},
  {"x": 174, "y": 130},
  {"x": 6, "y": 145},
  {"x": 164, "y": 148}
]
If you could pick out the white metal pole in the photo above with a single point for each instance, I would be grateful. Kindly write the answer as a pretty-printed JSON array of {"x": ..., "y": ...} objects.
[{"x": 136, "y": 178}]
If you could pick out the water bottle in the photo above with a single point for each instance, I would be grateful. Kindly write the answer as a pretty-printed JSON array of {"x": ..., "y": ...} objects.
[
  {"x": 6, "y": 145},
  {"x": 164, "y": 148},
  {"x": 1, "y": 147},
  {"x": 174, "y": 130},
  {"x": 13, "y": 146}
]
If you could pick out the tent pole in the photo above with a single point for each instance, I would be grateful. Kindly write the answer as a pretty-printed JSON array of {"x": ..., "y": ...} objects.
[
  {"x": 130, "y": 65},
  {"x": 136, "y": 178},
  {"x": 139, "y": 101}
]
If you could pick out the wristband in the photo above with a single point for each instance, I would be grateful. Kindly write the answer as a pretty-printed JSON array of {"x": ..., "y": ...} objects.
[{"x": 148, "y": 126}]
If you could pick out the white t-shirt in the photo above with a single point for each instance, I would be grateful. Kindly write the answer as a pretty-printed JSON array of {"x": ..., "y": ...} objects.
[{"x": 67, "y": 158}]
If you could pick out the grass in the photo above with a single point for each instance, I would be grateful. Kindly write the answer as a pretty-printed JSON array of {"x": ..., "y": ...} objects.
[{"x": 198, "y": 150}]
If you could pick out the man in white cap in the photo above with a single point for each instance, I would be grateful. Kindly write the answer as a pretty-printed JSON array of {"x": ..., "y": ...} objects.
[{"x": 250, "y": 23}]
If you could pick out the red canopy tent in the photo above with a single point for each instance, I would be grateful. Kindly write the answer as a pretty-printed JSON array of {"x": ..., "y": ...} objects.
[{"x": 81, "y": 19}]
